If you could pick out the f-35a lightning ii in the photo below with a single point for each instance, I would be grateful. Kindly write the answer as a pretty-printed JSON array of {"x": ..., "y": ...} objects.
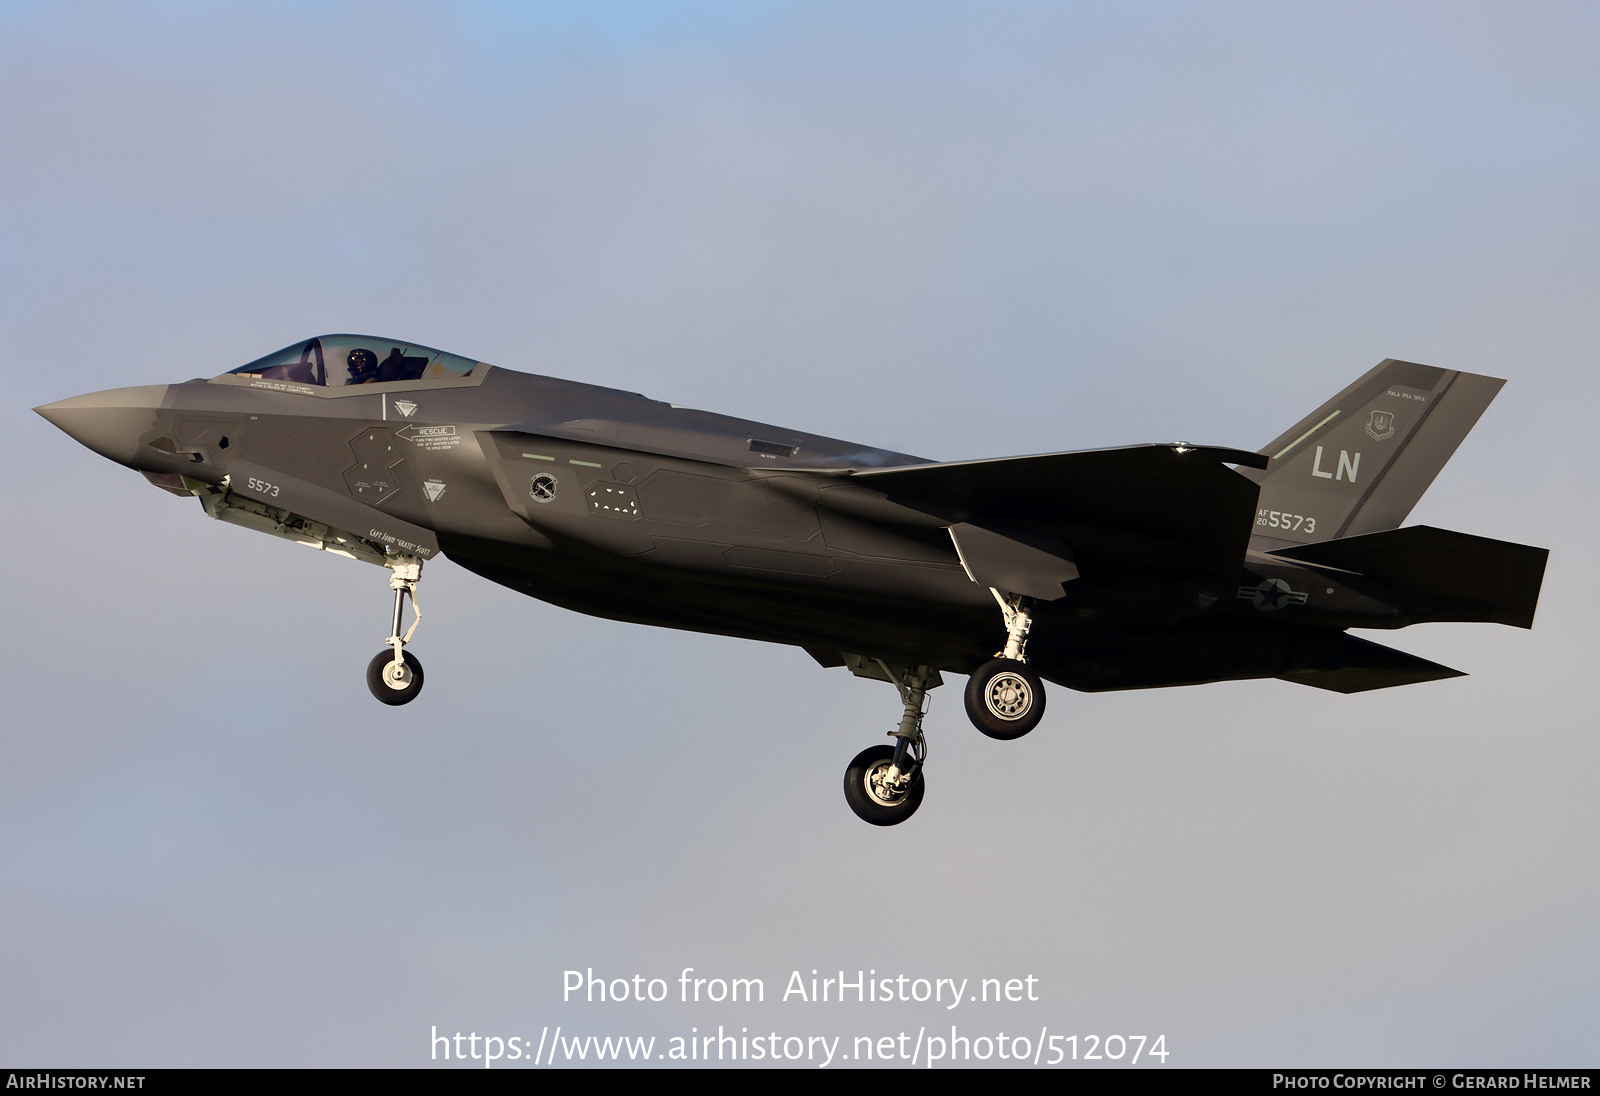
[{"x": 1128, "y": 568}]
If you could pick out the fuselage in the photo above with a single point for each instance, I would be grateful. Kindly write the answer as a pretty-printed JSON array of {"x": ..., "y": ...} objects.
[
  {"x": 1136, "y": 567},
  {"x": 613, "y": 504}
]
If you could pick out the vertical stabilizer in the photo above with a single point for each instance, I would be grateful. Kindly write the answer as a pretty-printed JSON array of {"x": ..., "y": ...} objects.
[{"x": 1360, "y": 462}]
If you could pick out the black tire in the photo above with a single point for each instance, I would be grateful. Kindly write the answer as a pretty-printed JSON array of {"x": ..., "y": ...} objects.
[
  {"x": 867, "y": 801},
  {"x": 389, "y": 692},
  {"x": 1005, "y": 699}
]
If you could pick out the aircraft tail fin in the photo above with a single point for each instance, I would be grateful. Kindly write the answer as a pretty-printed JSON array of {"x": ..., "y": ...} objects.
[
  {"x": 1441, "y": 575},
  {"x": 1360, "y": 462}
]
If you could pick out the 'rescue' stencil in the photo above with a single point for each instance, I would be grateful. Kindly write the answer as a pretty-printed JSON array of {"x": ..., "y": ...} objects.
[{"x": 429, "y": 437}]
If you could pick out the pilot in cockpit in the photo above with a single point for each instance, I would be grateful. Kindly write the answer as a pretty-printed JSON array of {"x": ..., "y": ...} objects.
[{"x": 363, "y": 365}]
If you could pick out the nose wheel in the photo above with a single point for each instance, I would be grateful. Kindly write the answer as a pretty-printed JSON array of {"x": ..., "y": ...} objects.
[
  {"x": 394, "y": 682},
  {"x": 395, "y": 676}
]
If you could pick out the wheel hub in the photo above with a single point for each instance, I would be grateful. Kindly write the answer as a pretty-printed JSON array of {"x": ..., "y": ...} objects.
[
  {"x": 883, "y": 790},
  {"x": 397, "y": 675},
  {"x": 1009, "y": 696}
]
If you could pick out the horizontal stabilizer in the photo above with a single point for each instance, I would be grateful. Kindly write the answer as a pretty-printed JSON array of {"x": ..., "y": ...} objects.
[
  {"x": 1356, "y": 666},
  {"x": 1440, "y": 574},
  {"x": 1164, "y": 505}
]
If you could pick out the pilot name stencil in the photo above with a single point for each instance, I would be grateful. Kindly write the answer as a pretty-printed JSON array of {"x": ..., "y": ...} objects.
[{"x": 400, "y": 542}]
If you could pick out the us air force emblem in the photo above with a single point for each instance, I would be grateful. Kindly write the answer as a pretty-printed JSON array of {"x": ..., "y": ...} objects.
[
  {"x": 1381, "y": 425},
  {"x": 1273, "y": 594}
]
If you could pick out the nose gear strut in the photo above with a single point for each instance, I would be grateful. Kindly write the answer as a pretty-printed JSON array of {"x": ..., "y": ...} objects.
[{"x": 395, "y": 676}]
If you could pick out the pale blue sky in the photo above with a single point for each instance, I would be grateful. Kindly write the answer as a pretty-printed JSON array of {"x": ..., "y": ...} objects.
[{"x": 959, "y": 230}]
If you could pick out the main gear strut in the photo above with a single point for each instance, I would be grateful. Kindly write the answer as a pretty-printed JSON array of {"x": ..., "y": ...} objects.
[
  {"x": 883, "y": 785},
  {"x": 1004, "y": 698}
]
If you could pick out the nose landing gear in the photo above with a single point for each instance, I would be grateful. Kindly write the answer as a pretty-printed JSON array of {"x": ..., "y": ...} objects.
[
  {"x": 394, "y": 682},
  {"x": 395, "y": 676}
]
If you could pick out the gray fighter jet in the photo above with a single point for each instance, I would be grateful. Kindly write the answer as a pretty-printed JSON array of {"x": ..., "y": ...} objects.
[{"x": 1130, "y": 568}]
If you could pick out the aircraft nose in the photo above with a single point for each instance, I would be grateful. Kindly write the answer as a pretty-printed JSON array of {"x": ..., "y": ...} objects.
[{"x": 110, "y": 422}]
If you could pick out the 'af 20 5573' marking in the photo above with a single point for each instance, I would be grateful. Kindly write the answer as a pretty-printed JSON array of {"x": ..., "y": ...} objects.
[
  {"x": 262, "y": 487},
  {"x": 1277, "y": 519}
]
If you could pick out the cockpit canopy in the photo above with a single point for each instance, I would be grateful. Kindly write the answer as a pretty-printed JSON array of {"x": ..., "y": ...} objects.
[{"x": 334, "y": 360}]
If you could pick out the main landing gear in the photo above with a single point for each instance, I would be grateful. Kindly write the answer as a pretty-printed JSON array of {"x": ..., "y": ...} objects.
[
  {"x": 1005, "y": 699},
  {"x": 883, "y": 785},
  {"x": 395, "y": 675}
]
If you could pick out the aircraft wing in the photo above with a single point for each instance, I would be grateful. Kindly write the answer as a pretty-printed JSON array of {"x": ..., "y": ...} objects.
[{"x": 1175, "y": 507}]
